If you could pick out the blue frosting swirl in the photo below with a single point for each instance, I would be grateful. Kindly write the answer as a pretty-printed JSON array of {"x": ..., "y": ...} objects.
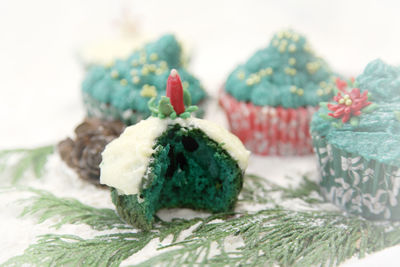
[
  {"x": 129, "y": 83},
  {"x": 286, "y": 73}
]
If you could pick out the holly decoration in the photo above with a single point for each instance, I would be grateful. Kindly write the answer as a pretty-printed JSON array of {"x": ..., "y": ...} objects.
[
  {"x": 350, "y": 105},
  {"x": 176, "y": 103}
]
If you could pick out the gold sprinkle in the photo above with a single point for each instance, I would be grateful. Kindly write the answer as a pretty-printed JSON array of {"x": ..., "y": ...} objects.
[
  {"x": 320, "y": 92},
  {"x": 241, "y": 75},
  {"x": 323, "y": 84},
  {"x": 292, "y": 61},
  {"x": 135, "y": 63},
  {"x": 145, "y": 70},
  {"x": 284, "y": 42},
  {"x": 292, "y": 48},
  {"x": 312, "y": 67},
  {"x": 153, "y": 57},
  {"x": 123, "y": 82},
  {"x": 152, "y": 67},
  {"x": 134, "y": 72},
  {"x": 185, "y": 85},
  {"x": 295, "y": 37},
  {"x": 300, "y": 92},
  {"x": 268, "y": 71},
  {"x": 341, "y": 101},
  {"x": 142, "y": 60},
  {"x": 275, "y": 43},
  {"x": 256, "y": 78},
  {"x": 114, "y": 74},
  {"x": 307, "y": 47},
  {"x": 163, "y": 65},
  {"x": 290, "y": 71},
  {"x": 346, "y": 96},
  {"x": 249, "y": 81},
  {"x": 348, "y": 102},
  {"x": 282, "y": 48},
  {"x": 148, "y": 91},
  {"x": 293, "y": 89},
  {"x": 280, "y": 35},
  {"x": 328, "y": 90},
  {"x": 135, "y": 79},
  {"x": 159, "y": 71},
  {"x": 287, "y": 34}
]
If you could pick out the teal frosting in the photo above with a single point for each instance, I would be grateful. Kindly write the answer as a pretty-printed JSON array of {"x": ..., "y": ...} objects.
[
  {"x": 286, "y": 73},
  {"x": 377, "y": 135},
  {"x": 130, "y": 83}
]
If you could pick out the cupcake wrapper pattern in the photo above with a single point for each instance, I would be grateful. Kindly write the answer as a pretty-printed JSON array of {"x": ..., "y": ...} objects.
[
  {"x": 360, "y": 186},
  {"x": 107, "y": 112},
  {"x": 269, "y": 130}
]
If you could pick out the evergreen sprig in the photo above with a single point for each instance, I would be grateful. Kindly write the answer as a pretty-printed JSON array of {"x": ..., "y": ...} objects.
[
  {"x": 268, "y": 237},
  {"x": 282, "y": 237},
  {"x": 70, "y": 211},
  {"x": 26, "y": 159}
]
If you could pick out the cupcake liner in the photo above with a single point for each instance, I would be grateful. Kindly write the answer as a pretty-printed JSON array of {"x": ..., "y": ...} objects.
[
  {"x": 104, "y": 111},
  {"x": 364, "y": 187},
  {"x": 269, "y": 130}
]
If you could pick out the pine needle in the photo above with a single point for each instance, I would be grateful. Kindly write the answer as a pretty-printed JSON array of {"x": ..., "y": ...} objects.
[
  {"x": 70, "y": 211},
  {"x": 26, "y": 159}
]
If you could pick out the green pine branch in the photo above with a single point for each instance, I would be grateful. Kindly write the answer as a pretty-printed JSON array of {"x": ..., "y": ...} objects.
[
  {"x": 26, "y": 159},
  {"x": 103, "y": 250},
  {"x": 70, "y": 211},
  {"x": 271, "y": 236},
  {"x": 282, "y": 237}
]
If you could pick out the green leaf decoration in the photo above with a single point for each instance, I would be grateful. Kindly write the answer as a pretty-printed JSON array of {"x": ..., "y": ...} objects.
[
  {"x": 272, "y": 236},
  {"x": 70, "y": 211},
  {"x": 370, "y": 108},
  {"x": 326, "y": 117},
  {"x": 166, "y": 110},
  {"x": 187, "y": 98},
  {"x": 19, "y": 161},
  {"x": 397, "y": 115},
  {"x": 323, "y": 104},
  {"x": 354, "y": 121},
  {"x": 337, "y": 124},
  {"x": 164, "y": 106}
]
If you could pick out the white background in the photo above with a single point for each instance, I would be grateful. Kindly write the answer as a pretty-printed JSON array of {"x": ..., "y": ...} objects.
[{"x": 40, "y": 75}]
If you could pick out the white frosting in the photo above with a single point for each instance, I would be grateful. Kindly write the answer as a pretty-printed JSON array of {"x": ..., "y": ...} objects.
[{"x": 126, "y": 158}]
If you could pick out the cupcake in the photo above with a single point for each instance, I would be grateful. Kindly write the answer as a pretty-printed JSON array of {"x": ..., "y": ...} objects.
[
  {"x": 357, "y": 140},
  {"x": 173, "y": 160},
  {"x": 120, "y": 91},
  {"x": 269, "y": 100}
]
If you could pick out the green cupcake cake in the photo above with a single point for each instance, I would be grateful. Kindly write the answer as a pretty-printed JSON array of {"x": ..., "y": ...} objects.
[
  {"x": 173, "y": 160},
  {"x": 121, "y": 90},
  {"x": 357, "y": 140}
]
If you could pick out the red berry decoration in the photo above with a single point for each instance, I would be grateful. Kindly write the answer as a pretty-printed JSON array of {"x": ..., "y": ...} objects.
[
  {"x": 348, "y": 105},
  {"x": 175, "y": 92}
]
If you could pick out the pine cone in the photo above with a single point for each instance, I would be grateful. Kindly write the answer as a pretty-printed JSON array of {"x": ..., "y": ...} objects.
[{"x": 84, "y": 153}]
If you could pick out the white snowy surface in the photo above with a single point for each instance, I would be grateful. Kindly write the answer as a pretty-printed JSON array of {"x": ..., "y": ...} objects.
[{"x": 40, "y": 77}]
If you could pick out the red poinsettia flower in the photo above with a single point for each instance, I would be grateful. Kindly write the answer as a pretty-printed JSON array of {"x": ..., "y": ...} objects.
[{"x": 350, "y": 104}]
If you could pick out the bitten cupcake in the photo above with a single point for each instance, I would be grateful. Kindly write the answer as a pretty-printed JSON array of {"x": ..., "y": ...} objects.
[
  {"x": 121, "y": 90},
  {"x": 173, "y": 160},
  {"x": 357, "y": 140},
  {"x": 269, "y": 100}
]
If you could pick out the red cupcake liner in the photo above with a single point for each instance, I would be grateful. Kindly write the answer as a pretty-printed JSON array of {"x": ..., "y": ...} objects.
[{"x": 266, "y": 130}]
